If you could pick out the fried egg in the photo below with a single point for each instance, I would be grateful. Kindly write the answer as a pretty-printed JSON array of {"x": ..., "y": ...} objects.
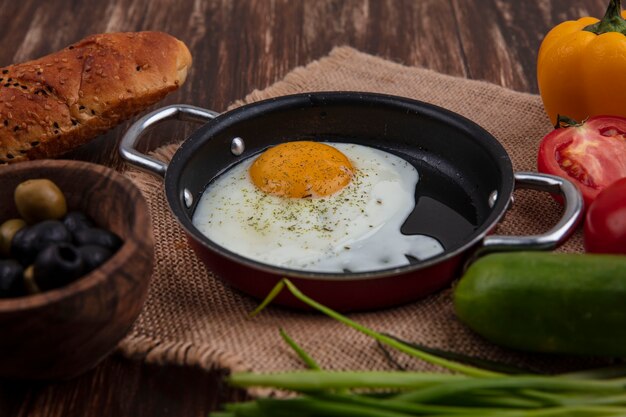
[{"x": 320, "y": 207}]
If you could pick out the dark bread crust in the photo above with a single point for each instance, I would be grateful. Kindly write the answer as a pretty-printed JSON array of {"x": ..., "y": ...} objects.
[{"x": 56, "y": 103}]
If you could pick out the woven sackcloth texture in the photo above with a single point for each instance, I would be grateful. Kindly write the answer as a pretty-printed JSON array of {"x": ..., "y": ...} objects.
[{"x": 192, "y": 318}]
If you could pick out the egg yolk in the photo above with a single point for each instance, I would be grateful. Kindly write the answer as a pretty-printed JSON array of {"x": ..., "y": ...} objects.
[{"x": 301, "y": 169}]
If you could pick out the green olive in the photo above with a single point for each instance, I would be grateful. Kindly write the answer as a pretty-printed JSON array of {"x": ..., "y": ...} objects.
[
  {"x": 7, "y": 231},
  {"x": 29, "y": 281},
  {"x": 40, "y": 199}
]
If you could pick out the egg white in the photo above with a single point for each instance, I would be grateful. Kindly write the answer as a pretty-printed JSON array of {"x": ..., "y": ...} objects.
[{"x": 356, "y": 229}]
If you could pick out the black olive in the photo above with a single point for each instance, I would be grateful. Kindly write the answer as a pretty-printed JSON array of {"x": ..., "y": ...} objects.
[
  {"x": 11, "y": 282},
  {"x": 30, "y": 240},
  {"x": 57, "y": 265},
  {"x": 99, "y": 237},
  {"x": 77, "y": 220},
  {"x": 94, "y": 256}
]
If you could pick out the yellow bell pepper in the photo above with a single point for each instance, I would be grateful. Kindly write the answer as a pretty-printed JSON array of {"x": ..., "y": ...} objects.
[{"x": 581, "y": 67}]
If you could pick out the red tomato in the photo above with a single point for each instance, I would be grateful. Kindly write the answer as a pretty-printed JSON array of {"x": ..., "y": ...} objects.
[
  {"x": 592, "y": 155},
  {"x": 605, "y": 223}
]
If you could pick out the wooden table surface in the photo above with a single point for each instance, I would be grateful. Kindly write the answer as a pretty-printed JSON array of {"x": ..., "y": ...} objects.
[{"x": 243, "y": 45}]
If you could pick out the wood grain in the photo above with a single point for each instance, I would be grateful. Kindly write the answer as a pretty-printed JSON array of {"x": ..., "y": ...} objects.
[{"x": 243, "y": 45}]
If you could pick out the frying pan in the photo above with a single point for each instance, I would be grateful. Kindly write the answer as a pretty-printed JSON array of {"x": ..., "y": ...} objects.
[{"x": 465, "y": 187}]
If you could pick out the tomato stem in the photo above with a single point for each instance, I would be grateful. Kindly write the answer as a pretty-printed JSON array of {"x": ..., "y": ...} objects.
[{"x": 611, "y": 22}]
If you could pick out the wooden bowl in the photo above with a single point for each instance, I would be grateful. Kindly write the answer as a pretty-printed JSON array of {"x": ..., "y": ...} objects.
[{"x": 61, "y": 333}]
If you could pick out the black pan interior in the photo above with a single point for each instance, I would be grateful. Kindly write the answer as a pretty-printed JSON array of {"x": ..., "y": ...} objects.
[{"x": 460, "y": 165}]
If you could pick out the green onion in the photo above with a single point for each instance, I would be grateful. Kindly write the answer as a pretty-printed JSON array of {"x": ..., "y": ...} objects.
[
  {"x": 434, "y": 393},
  {"x": 469, "y": 392},
  {"x": 305, "y": 357},
  {"x": 311, "y": 381},
  {"x": 490, "y": 365},
  {"x": 453, "y": 366}
]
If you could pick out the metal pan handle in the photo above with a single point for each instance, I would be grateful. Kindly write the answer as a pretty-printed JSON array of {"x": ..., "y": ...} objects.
[
  {"x": 176, "y": 111},
  {"x": 572, "y": 214}
]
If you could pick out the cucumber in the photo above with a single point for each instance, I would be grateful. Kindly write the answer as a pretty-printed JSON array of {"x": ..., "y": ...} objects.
[{"x": 547, "y": 302}]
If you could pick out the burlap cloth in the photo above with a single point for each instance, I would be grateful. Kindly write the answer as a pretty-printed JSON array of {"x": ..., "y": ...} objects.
[{"x": 192, "y": 318}]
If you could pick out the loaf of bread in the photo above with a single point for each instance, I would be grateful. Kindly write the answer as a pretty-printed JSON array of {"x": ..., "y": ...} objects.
[{"x": 56, "y": 103}]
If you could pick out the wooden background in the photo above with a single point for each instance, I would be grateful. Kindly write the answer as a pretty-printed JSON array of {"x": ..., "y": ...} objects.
[{"x": 243, "y": 45}]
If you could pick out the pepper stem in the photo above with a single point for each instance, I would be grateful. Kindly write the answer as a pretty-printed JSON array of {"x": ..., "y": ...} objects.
[
  {"x": 611, "y": 22},
  {"x": 564, "y": 121}
]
